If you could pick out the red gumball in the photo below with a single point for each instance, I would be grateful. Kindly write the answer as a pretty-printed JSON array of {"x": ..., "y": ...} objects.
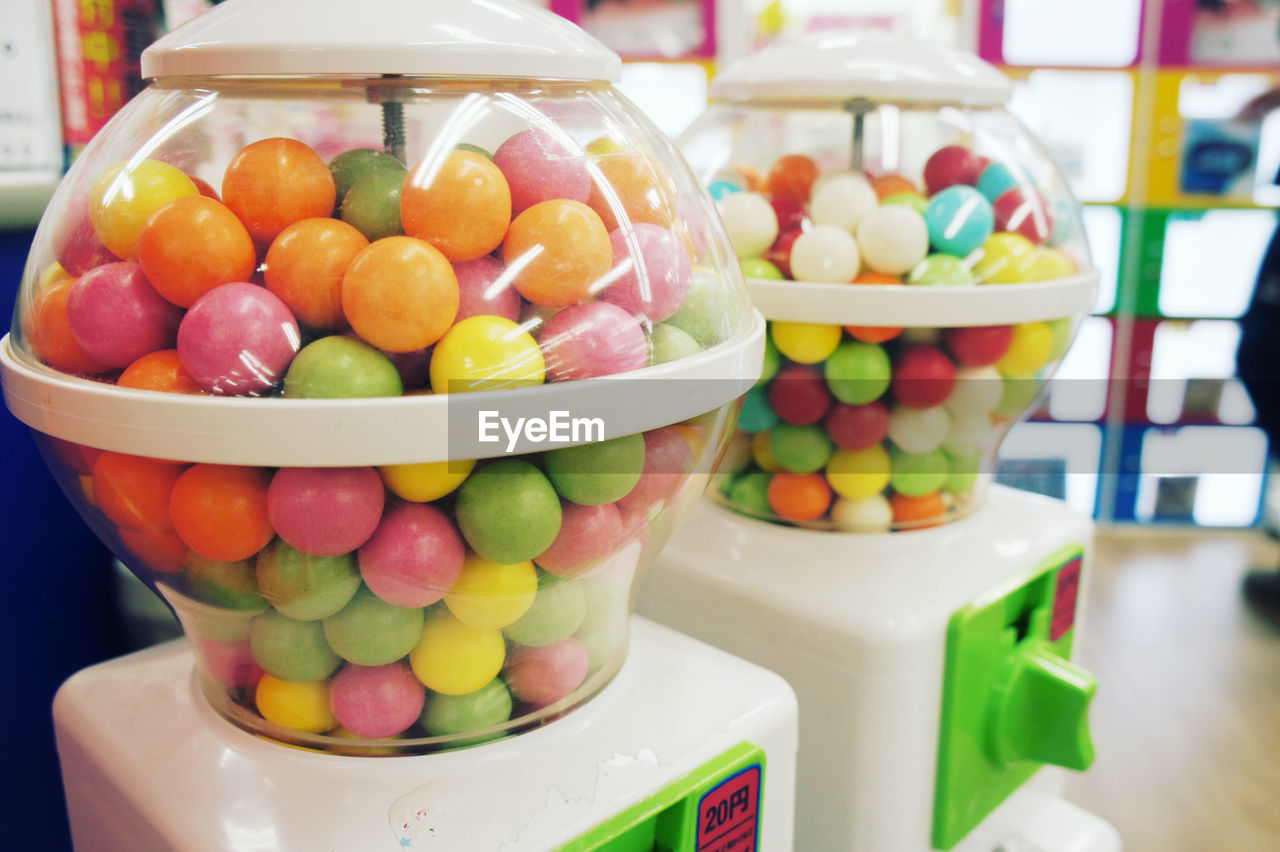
[
  {"x": 857, "y": 427},
  {"x": 799, "y": 395},
  {"x": 780, "y": 254},
  {"x": 790, "y": 213},
  {"x": 954, "y": 164},
  {"x": 1026, "y": 212},
  {"x": 979, "y": 346},
  {"x": 923, "y": 377}
]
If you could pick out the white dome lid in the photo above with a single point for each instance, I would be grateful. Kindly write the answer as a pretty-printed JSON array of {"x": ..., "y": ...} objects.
[
  {"x": 465, "y": 38},
  {"x": 876, "y": 65}
]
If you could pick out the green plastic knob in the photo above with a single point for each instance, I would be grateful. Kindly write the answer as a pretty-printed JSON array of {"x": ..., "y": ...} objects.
[{"x": 1041, "y": 710}]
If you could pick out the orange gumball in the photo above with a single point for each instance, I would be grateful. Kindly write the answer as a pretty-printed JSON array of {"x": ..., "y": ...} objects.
[
  {"x": 220, "y": 511},
  {"x": 159, "y": 371},
  {"x": 916, "y": 511},
  {"x": 192, "y": 245},
  {"x": 273, "y": 183},
  {"x": 305, "y": 266},
  {"x": 400, "y": 294},
  {"x": 631, "y": 187},
  {"x": 799, "y": 496},
  {"x": 560, "y": 249},
  {"x": 461, "y": 205},
  {"x": 133, "y": 491},
  {"x": 874, "y": 333},
  {"x": 792, "y": 177},
  {"x": 48, "y": 331},
  {"x": 887, "y": 185},
  {"x": 160, "y": 552},
  {"x": 76, "y": 456}
]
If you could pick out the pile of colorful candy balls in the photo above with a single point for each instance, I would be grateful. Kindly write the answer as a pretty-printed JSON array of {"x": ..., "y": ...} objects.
[
  {"x": 864, "y": 427},
  {"x": 413, "y": 600}
]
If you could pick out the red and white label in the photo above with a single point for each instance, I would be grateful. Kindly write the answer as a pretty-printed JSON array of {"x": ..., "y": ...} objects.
[
  {"x": 729, "y": 815},
  {"x": 1064, "y": 599}
]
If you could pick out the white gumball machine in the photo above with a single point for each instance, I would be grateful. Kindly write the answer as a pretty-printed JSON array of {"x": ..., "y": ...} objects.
[
  {"x": 923, "y": 267},
  {"x": 263, "y": 326}
]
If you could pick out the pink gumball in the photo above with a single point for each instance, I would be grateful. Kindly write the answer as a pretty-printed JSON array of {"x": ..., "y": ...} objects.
[
  {"x": 414, "y": 556},
  {"x": 481, "y": 292},
  {"x": 592, "y": 339},
  {"x": 376, "y": 701},
  {"x": 238, "y": 339},
  {"x": 76, "y": 243},
  {"x": 651, "y": 271},
  {"x": 668, "y": 460},
  {"x": 325, "y": 511},
  {"x": 1026, "y": 212},
  {"x": 545, "y": 675},
  {"x": 117, "y": 316},
  {"x": 588, "y": 534},
  {"x": 414, "y": 367},
  {"x": 539, "y": 167},
  {"x": 954, "y": 164},
  {"x": 232, "y": 663}
]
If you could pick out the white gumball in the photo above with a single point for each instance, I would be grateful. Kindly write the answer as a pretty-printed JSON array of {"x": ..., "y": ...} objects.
[
  {"x": 841, "y": 199},
  {"x": 968, "y": 436},
  {"x": 893, "y": 239},
  {"x": 751, "y": 222},
  {"x": 919, "y": 430},
  {"x": 825, "y": 253},
  {"x": 977, "y": 392},
  {"x": 865, "y": 515}
]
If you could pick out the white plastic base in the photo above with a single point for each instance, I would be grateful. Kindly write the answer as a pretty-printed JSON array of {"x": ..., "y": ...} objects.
[
  {"x": 857, "y": 625},
  {"x": 148, "y": 766}
]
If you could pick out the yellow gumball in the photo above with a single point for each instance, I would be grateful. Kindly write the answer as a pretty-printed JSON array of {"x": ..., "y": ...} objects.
[
  {"x": 1005, "y": 258},
  {"x": 297, "y": 706},
  {"x": 1050, "y": 263},
  {"x": 124, "y": 197},
  {"x": 427, "y": 481},
  {"x": 762, "y": 453},
  {"x": 486, "y": 353},
  {"x": 455, "y": 658},
  {"x": 855, "y": 474},
  {"x": 805, "y": 342},
  {"x": 489, "y": 596},
  {"x": 52, "y": 275},
  {"x": 1030, "y": 349}
]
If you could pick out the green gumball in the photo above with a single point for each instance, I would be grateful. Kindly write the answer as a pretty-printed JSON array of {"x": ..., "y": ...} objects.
[
  {"x": 340, "y": 367},
  {"x": 598, "y": 473},
  {"x": 508, "y": 511}
]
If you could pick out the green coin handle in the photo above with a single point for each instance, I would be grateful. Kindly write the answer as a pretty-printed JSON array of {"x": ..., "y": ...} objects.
[{"x": 1040, "y": 709}]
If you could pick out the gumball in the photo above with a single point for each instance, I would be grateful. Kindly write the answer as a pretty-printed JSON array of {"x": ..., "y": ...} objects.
[
  {"x": 804, "y": 342},
  {"x": 779, "y": 254},
  {"x": 1062, "y": 211},
  {"x": 76, "y": 244},
  {"x": 273, "y": 183},
  {"x": 1050, "y": 263},
  {"x": 484, "y": 290},
  {"x": 546, "y": 674},
  {"x": 414, "y": 369},
  {"x": 751, "y": 222},
  {"x": 922, "y": 377},
  {"x": 377, "y": 701},
  {"x": 459, "y": 203},
  {"x": 133, "y": 491},
  {"x": 857, "y": 373},
  {"x": 227, "y": 585},
  {"x": 856, "y": 474},
  {"x": 325, "y": 511},
  {"x": 238, "y": 339},
  {"x": 339, "y": 367},
  {"x": 540, "y": 166},
  {"x": 824, "y": 253},
  {"x": 351, "y": 166},
  {"x": 791, "y": 214},
  {"x": 772, "y": 361},
  {"x": 940, "y": 270},
  {"x": 718, "y": 189},
  {"x": 630, "y": 186},
  {"x": 158, "y": 552},
  {"x": 297, "y": 706},
  {"x": 962, "y": 473},
  {"x": 124, "y": 197},
  {"x": 917, "y": 474},
  {"x": 449, "y": 715},
  {"x": 913, "y": 200},
  {"x": 560, "y": 250},
  {"x": 372, "y": 206},
  {"x": 413, "y": 557},
  {"x": 949, "y": 166},
  {"x": 707, "y": 312},
  {"x": 231, "y": 663},
  {"x": 592, "y": 339},
  {"x": 1029, "y": 350},
  {"x": 668, "y": 461},
  {"x": 751, "y": 492},
  {"x": 968, "y": 435},
  {"x": 508, "y": 511},
  {"x": 668, "y": 343},
  {"x": 1020, "y": 394},
  {"x": 791, "y": 177},
  {"x": 588, "y": 535},
  {"x": 864, "y": 515},
  {"x": 762, "y": 455},
  {"x": 997, "y": 178},
  {"x": 191, "y": 245},
  {"x": 857, "y": 427},
  {"x": 159, "y": 371},
  {"x": 1063, "y": 330},
  {"x": 490, "y": 596},
  {"x": 1024, "y": 211},
  {"x": 425, "y": 481},
  {"x": 305, "y": 265},
  {"x": 302, "y": 586},
  {"x": 918, "y": 430},
  {"x": 959, "y": 219},
  {"x": 486, "y": 353},
  {"x": 757, "y": 413},
  {"x": 557, "y": 611},
  {"x": 886, "y": 186},
  {"x": 117, "y": 316},
  {"x": 453, "y": 658},
  {"x": 800, "y": 449},
  {"x": 915, "y": 512},
  {"x": 799, "y": 496},
  {"x": 292, "y": 650},
  {"x": 758, "y": 267},
  {"x": 1005, "y": 258},
  {"x": 874, "y": 333},
  {"x": 220, "y": 511},
  {"x": 841, "y": 199},
  {"x": 977, "y": 392},
  {"x": 48, "y": 331},
  {"x": 892, "y": 239},
  {"x": 400, "y": 294},
  {"x": 368, "y": 631},
  {"x": 799, "y": 395},
  {"x": 979, "y": 346},
  {"x": 652, "y": 270},
  {"x": 597, "y": 473}
]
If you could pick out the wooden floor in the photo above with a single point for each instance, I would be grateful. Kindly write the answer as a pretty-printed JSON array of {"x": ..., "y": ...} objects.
[{"x": 1186, "y": 720}]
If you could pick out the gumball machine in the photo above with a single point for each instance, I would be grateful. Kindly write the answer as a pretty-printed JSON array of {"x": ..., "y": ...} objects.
[
  {"x": 388, "y": 344},
  {"x": 923, "y": 268}
]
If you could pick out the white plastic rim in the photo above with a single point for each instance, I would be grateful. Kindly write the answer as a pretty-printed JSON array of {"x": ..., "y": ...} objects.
[
  {"x": 355, "y": 432},
  {"x": 924, "y": 307},
  {"x": 464, "y": 38},
  {"x": 877, "y": 65}
]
